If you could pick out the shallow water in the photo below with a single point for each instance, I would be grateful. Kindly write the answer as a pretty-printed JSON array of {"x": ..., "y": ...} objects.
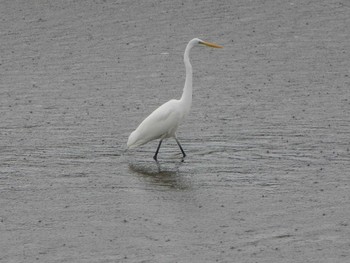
[{"x": 266, "y": 177}]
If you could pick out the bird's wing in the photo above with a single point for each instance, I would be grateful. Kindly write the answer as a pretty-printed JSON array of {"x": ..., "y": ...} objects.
[
  {"x": 164, "y": 112},
  {"x": 161, "y": 123}
]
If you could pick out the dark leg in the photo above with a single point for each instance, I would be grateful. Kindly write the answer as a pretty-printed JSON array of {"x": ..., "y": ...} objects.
[
  {"x": 155, "y": 155},
  {"x": 182, "y": 150}
]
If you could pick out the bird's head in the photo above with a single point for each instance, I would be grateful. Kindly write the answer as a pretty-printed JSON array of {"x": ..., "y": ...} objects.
[
  {"x": 208, "y": 44},
  {"x": 197, "y": 41}
]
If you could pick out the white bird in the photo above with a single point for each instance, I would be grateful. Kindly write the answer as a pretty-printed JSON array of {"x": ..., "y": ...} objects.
[{"x": 164, "y": 121}]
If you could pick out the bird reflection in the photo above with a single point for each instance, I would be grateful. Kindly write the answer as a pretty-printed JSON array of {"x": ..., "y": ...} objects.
[{"x": 157, "y": 176}]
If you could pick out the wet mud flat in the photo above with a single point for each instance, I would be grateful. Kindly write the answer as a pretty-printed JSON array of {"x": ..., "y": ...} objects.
[{"x": 266, "y": 177}]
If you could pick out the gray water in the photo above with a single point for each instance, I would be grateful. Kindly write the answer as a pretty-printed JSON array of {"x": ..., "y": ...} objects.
[{"x": 266, "y": 177}]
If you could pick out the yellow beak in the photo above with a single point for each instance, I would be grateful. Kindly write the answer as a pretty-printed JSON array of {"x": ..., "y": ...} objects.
[{"x": 210, "y": 44}]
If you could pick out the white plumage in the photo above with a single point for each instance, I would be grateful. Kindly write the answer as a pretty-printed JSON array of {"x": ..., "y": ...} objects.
[{"x": 164, "y": 121}]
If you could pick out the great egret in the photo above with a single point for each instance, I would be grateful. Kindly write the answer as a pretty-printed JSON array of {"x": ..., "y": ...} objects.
[{"x": 164, "y": 121}]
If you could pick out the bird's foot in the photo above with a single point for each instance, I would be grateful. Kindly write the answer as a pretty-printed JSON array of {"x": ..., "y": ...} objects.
[{"x": 183, "y": 158}]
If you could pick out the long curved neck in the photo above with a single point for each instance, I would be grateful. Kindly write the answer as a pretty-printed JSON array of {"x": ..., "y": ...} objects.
[{"x": 186, "y": 97}]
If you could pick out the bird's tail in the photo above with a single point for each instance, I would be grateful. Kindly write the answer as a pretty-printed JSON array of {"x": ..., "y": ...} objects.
[{"x": 132, "y": 141}]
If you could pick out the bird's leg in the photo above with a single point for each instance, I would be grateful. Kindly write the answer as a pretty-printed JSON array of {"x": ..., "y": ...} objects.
[
  {"x": 182, "y": 150},
  {"x": 155, "y": 155}
]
